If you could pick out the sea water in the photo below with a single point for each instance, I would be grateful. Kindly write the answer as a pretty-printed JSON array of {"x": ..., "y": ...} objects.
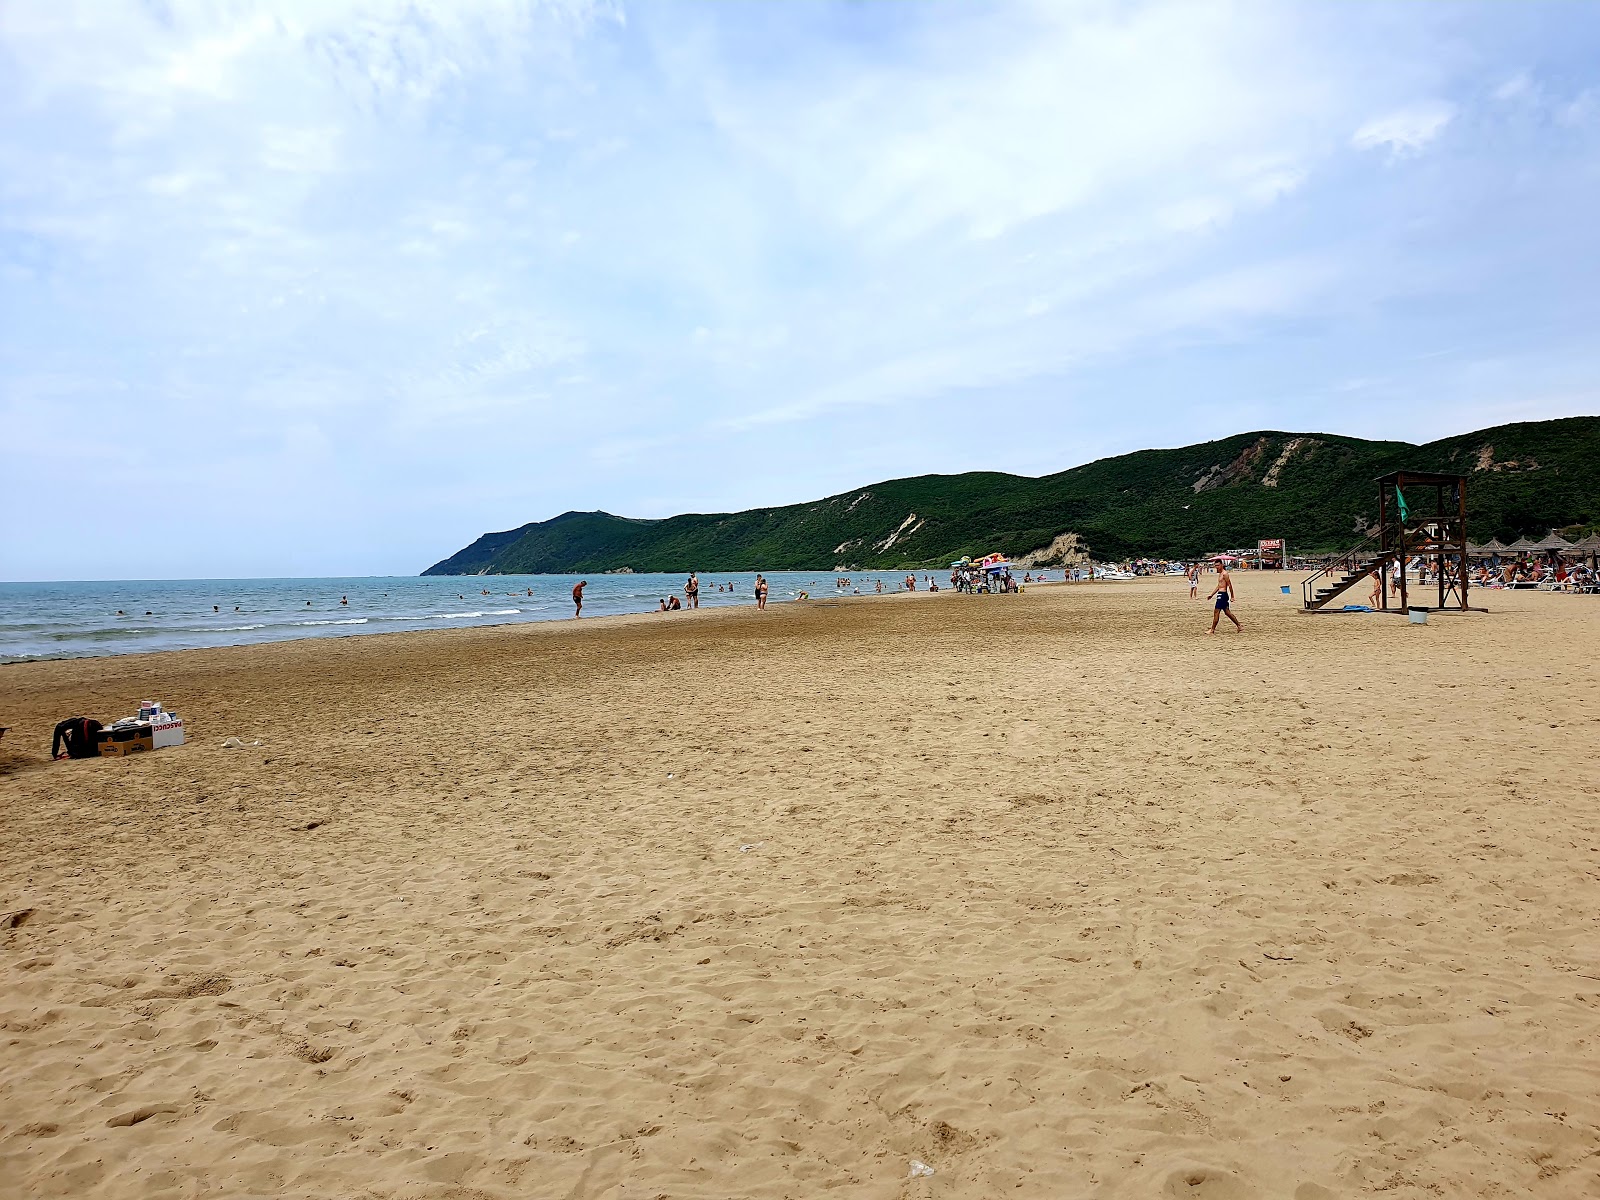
[{"x": 75, "y": 620}]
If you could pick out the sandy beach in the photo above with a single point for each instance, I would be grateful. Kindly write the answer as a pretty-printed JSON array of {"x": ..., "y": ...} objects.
[{"x": 1051, "y": 892}]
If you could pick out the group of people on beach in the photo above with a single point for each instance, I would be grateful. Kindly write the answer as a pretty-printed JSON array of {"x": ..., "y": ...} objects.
[
  {"x": 1553, "y": 574},
  {"x": 973, "y": 578},
  {"x": 691, "y": 595}
]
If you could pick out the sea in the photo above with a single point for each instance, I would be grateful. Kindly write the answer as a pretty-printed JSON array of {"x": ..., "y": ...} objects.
[{"x": 133, "y": 616}]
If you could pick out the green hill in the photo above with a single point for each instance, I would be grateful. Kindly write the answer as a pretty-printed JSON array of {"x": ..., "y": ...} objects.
[{"x": 1315, "y": 489}]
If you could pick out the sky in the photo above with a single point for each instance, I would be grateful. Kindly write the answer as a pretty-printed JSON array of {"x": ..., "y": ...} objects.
[{"x": 331, "y": 287}]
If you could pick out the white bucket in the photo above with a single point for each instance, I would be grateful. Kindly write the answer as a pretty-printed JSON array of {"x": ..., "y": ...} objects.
[{"x": 1419, "y": 616}]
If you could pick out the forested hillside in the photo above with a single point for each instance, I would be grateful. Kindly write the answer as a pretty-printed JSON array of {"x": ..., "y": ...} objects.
[{"x": 1315, "y": 489}]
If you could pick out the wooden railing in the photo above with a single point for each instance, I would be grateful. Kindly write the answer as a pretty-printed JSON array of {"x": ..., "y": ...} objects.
[{"x": 1358, "y": 557}]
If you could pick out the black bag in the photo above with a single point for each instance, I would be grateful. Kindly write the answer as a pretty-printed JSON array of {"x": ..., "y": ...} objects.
[{"x": 80, "y": 735}]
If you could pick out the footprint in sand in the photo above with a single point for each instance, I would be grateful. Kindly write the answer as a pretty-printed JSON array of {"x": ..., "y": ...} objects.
[{"x": 135, "y": 1116}]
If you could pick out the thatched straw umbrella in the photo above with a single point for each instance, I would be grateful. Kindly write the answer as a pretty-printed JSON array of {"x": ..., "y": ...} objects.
[{"x": 1553, "y": 544}]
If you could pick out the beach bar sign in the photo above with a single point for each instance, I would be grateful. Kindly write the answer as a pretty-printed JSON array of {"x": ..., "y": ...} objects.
[{"x": 1266, "y": 544}]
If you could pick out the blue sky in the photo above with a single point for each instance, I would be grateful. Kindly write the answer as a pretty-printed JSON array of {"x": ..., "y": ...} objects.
[{"x": 333, "y": 286}]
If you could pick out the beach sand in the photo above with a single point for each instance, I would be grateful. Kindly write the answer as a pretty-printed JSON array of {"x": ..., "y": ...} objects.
[{"x": 1050, "y": 892}]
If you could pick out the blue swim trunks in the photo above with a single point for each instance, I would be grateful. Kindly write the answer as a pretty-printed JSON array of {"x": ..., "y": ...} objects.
[{"x": 1222, "y": 601}]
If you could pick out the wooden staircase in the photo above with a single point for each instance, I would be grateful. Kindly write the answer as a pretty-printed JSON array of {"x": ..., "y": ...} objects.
[{"x": 1351, "y": 567}]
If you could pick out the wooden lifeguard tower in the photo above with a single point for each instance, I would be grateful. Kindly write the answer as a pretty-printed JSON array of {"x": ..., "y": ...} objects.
[{"x": 1421, "y": 514}]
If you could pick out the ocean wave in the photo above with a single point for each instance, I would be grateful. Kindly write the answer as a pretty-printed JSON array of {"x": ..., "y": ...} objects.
[
  {"x": 501, "y": 612},
  {"x": 344, "y": 621},
  {"x": 95, "y": 635},
  {"x": 452, "y": 616},
  {"x": 233, "y": 628}
]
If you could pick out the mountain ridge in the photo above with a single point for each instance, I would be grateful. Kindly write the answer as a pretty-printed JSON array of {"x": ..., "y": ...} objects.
[{"x": 1315, "y": 489}]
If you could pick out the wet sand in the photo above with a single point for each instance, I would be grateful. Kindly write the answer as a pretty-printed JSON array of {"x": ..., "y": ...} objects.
[{"x": 1051, "y": 892}]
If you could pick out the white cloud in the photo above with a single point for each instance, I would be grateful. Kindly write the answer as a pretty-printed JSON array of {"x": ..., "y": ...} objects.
[
  {"x": 1406, "y": 130},
  {"x": 981, "y": 132},
  {"x": 1582, "y": 109},
  {"x": 1514, "y": 88},
  {"x": 723, "y": 243}
]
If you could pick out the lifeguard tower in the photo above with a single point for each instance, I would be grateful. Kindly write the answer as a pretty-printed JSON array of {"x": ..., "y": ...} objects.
[{"x": 1421, "y": 515}]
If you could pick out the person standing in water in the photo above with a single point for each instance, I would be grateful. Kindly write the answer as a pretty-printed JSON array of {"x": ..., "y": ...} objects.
[
  {"x": 691, "y": 590},
  {"x": 577, "y": 598},
  {"x": 1224, "y": 594},
  {"x": 761, "y": 591}
]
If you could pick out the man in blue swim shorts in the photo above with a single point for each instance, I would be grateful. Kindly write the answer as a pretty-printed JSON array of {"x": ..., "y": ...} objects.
[{"x": 1224, "y": 594}]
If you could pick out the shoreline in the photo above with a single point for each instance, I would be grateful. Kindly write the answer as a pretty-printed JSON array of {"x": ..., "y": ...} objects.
[
  {"x": 823, "y": 599},
  {"x": 90, "y": 633},
  {"x": 610, "y": 619}
]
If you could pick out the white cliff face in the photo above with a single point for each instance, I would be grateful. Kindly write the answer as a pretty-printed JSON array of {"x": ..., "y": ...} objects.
[
  {"x": 1065, "y": 550},
  {"x": 907, "y": 528},
  {"x": 1290, "y": 449}
]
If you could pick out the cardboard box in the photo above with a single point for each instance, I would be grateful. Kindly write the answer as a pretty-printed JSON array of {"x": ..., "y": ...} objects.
[
  {"x": 127, "y": 746},
  {"x": 167, "y": 732}
]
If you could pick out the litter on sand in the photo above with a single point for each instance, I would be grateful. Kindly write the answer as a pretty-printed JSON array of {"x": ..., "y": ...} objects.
[
  {"x": 749, "y": 846},
  {"x": 234, "y": 743},
  {"x": 920, "y": 1169}
]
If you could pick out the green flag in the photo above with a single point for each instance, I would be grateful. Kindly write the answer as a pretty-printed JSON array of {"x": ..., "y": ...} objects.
[{"x": 1400, "y": 499}]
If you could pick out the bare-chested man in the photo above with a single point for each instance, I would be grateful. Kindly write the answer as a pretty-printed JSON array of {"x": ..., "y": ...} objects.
[
  {"x": 1224, "y": 594},
  {"x": 691, "y": 590},
  {"x": 577, "y": 598}
]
